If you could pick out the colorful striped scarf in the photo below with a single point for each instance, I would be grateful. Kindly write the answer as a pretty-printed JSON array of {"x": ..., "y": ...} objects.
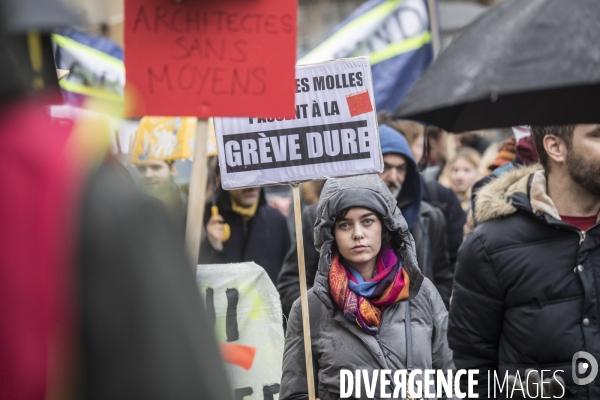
[{"x": 363, "y": 301}]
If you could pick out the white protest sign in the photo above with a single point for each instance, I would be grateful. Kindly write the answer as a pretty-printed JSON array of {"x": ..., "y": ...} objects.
[
  {"x": 334, "y": 132},
  {"x": 245, "y": 307}
]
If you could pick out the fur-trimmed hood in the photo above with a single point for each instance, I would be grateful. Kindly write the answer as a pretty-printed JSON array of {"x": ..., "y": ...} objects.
[{"x": 495, "y": 200}]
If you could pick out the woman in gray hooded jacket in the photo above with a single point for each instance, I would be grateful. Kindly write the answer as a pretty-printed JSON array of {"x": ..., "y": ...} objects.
[{"x": 367, "y": 285}]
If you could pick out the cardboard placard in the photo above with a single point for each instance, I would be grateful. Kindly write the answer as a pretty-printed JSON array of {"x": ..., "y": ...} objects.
[
  {"x": 333, "y": 132},
  {"x": 201, "y": 58},
  {"x": 245, "y": 307}
]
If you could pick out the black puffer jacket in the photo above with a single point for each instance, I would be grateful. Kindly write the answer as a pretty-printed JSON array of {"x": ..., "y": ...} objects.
[{"x": 526, "y": 286}]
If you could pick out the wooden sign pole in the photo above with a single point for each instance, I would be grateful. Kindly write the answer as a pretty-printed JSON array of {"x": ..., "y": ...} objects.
[
  {"x": 435, "y": 31},
  {"x": 197, "y": 196},
  {"x": 303, "y": 293}
]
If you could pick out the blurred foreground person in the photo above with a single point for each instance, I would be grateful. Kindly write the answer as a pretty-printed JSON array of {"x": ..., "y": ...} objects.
[
  {"x": 156, "y": 177},
  {"x": 367, "y": 287},
  {"x": 257, "y": 231},
  {"x": 147, "y": 334},
  {"x": 526, "y": 284},
  {"x": 97, "y": 296}
]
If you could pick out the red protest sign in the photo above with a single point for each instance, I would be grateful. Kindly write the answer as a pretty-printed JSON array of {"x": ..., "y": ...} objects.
[{"x": 203, "y": 58}]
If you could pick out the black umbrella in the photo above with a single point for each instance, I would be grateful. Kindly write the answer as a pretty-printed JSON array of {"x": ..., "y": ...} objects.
[
  {"x": 529, "y": 62},
  {"x": 21, "y": 16}
]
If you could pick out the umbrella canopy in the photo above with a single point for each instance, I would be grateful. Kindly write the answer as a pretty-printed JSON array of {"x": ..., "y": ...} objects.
[
  {"x": 532, "y": 62},
  {"x": 21, "y": 16}
]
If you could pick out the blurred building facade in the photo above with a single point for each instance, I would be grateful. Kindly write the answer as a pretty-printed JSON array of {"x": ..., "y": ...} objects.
[{"x": 316, "y": 18}]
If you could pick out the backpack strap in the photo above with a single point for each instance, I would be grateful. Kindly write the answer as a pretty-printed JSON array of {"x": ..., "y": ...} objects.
[
  {"x": 409, "y": 344},
  {"x": 430, "y": 183}
]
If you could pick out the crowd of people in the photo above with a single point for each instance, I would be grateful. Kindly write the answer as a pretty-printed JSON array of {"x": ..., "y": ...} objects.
[
  {"x": 464, "y": 253},
  {"x": 433, "y": 192},
  {"x": 439, "y": 262},
  {"x": 389, "y": 255}
]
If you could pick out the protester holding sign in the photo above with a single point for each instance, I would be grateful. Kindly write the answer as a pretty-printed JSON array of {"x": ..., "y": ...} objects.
[
  {"x": 368, "y": 284},
  {"x": 426, "y": 223},
  {"x": 259, "y": 232}
]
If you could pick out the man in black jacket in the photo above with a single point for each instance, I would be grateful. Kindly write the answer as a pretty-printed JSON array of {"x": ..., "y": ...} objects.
[
  {"x": 426, "y": 223},
  {"x": 259, "y": 232},
  {"x": 528, "y": 278}
]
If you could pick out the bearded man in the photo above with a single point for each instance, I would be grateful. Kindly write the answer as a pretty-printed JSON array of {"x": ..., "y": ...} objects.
[
  {"x": 527, "y": 278},
  {"x": 157, "y": 178}
]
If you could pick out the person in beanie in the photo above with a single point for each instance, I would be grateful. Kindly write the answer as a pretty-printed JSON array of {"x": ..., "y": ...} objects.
[
  {"x": 426, "y": 223},
  {"x": 368, "y": 286},
  {"x": 526, "y": 284}
]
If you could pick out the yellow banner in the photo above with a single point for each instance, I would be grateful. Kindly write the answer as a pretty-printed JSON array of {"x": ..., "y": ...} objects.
[{"x": 164, "y": 138}]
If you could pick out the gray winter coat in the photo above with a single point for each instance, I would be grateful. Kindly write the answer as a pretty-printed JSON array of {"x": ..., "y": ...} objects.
[{"x": 338, "y": 343}]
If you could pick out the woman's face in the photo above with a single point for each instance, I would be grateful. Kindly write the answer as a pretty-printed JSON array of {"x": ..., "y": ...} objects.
[
  {"x": 358, "y": 236},
  {"x": 463, "y": 175}
]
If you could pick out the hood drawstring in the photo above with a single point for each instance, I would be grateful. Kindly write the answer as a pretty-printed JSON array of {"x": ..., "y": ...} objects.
[{"x": 328, "y": 258}]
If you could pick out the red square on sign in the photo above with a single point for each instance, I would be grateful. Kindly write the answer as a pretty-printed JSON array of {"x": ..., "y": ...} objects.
[
  {"x": 210, "y": 58},
  {"x": 359, "y": 103}
]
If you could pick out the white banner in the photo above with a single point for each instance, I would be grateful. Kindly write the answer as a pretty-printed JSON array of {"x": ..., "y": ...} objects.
[
  {"x": 245, "y": 307},
  {"x": 334, "y": 132}
]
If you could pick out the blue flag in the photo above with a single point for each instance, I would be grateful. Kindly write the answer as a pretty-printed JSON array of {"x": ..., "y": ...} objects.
[
  {"x": 395, "y": 34},
  {"x": 96, "y": 67}
]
